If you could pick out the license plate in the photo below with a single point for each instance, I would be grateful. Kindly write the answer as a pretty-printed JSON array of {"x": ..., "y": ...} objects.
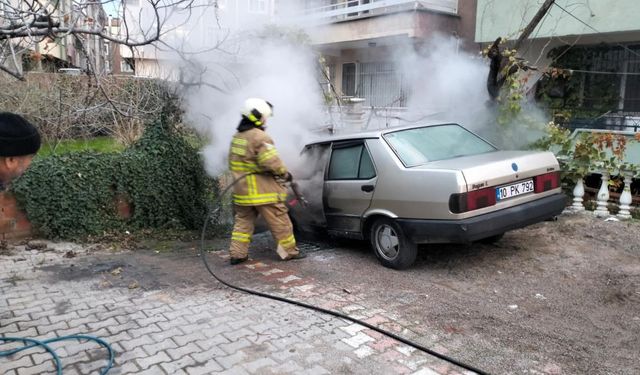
[{"x": 513, "y": 190}]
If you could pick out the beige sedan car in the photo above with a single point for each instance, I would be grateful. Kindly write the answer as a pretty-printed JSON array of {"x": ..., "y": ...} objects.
[{"x": 438, "y": 183}]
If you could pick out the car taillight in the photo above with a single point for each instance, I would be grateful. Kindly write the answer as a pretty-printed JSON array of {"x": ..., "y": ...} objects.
[
  {"x": 546, "y": 182},
  {"x": 473, "y": 200}
]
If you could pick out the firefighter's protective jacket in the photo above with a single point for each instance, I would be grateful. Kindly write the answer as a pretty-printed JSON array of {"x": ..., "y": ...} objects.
[{"x": 253, "y": 151}]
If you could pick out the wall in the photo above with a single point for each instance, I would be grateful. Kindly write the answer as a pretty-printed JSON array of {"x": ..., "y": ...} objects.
[
  {"x": 507, "y": 18},
  {"x": 366, "y": 28},
  {"x": 13, "y": 222},
  {"x": 466, "y": 27}
]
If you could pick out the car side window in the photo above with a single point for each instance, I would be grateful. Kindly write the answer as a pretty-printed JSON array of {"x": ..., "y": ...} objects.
[
  {"x": 344, "y": 163},
  {"x": 351, "y": 162},
  {"x": 367, "y": 171}
]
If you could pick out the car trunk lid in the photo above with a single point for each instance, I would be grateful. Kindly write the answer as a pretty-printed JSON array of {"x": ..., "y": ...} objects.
[{"x": 498, "y": 168}]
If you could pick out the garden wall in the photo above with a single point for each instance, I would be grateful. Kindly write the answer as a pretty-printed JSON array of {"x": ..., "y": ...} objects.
[{"x": 13, "y": 221}]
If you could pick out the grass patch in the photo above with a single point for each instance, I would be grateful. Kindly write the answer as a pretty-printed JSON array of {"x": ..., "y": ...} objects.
[{"x": 98, "y": 144}]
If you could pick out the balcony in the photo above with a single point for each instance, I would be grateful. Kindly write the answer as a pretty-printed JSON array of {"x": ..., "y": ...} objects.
[{"x": 348, "y": 10}]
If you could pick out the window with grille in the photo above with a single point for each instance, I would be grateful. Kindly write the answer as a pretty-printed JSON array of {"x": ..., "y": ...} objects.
[
  {"x": 609, "y": 81},
  {"x": 349, "y": 79},
  {"x": 631, "y": 87},
  {"x": 381, "y": 84}
]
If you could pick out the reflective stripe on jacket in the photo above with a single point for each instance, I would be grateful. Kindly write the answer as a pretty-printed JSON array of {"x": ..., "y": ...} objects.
[{"x": 253, "y": 151}]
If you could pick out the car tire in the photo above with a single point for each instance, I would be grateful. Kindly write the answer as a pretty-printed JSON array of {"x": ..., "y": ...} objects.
[
  {"x": 393, "y": 249},
  {"x": 491, "y": 240}
]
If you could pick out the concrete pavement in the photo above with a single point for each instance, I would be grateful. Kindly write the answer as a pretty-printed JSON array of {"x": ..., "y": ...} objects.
[{"x": 173, "y": 318}]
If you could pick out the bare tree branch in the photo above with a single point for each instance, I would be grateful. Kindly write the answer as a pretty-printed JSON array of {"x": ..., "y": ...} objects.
[
  {"x": 12, "y": 73},
  {"x": 29, "y": 26}
]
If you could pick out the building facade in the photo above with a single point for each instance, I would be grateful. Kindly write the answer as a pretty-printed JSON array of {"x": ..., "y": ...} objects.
[
  {"x": 202, "y": 27},
  {"x": 587, "y": 55},
  {"x": 71, "y": 50},
  {"x": 363, "y": 40}
]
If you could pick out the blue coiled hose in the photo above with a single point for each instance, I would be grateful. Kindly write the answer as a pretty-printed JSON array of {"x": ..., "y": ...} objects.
[{"x": 33, "y": 343}]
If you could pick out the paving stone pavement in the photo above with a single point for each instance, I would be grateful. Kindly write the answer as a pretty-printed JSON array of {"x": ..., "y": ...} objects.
[{"x": 191, "y": 329}]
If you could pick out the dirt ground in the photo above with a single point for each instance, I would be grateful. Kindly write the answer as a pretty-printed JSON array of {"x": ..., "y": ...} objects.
[
  {"x": 555, "y": 298},
  {"x": 559, "y": 296}
]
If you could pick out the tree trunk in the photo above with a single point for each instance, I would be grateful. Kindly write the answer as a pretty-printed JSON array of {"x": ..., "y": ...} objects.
[{"x": 495, "y": 80}]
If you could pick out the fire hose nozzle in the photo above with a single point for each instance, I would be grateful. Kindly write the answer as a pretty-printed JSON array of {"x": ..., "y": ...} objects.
[
  {"x": 304, "y": 201},
  {"x": 296, "y": 191}
]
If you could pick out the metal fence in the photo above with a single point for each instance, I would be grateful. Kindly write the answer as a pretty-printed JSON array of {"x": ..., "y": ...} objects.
[{"x": 607, "y": 122}]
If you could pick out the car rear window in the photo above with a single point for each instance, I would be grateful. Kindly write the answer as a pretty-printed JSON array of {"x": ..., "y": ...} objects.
[{"x": 421, "y": 145}]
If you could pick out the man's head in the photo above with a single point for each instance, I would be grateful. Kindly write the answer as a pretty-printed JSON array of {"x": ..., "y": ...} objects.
[{"x": 19, "y": 142}]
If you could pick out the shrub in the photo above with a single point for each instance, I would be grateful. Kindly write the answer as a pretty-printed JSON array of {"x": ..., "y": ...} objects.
[
  {"x": 161, "y": 176},
  {"x": 71, "y": 195}
]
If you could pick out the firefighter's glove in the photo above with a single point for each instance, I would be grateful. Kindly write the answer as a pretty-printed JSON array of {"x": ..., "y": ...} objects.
[{"x": 288, "y": 177}]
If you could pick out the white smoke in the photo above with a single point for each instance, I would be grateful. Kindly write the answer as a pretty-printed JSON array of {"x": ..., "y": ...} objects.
[
  {"x": 278, "y": 72},
  {"x": 444, "y": 84},
  {"x": 220, "y": 70},
  {"x": 444, "y": 79},
  {"x": 448, "y": 84}
]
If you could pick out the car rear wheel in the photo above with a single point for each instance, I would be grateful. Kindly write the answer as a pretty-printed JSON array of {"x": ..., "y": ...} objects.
[{"x": 391, "y": 246}]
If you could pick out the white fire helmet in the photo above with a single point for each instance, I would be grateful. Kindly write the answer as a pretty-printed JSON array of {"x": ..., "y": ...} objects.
[{"x": 255, "y": 109}]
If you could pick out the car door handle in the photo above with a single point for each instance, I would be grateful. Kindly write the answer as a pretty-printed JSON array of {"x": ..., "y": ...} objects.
[{"x": 367, "y": 188}]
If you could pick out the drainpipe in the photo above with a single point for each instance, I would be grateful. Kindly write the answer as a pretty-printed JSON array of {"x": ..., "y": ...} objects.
[{"x": 455, "y": 35}]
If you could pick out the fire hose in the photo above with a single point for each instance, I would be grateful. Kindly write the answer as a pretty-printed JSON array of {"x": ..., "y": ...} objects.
[
  {"x": 32, "y": 343},
  {"x": 299, "y": 197}
]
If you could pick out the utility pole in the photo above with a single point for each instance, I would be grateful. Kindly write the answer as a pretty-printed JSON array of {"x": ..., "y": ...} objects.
[
  {"x": 498, "y": 62},
  {"x": 534, "y": 22}
]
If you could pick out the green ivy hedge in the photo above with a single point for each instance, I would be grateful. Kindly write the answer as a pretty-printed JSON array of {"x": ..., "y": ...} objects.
[{"x": 73, "y": 196}]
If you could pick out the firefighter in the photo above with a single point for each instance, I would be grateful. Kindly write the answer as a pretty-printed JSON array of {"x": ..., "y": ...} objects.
[
  {"x": 19, "y": 142},
  {"x": 252, "y": 154}
]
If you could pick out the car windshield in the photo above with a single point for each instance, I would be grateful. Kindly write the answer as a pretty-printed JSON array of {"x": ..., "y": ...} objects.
[{"x": 422, "y": 145}]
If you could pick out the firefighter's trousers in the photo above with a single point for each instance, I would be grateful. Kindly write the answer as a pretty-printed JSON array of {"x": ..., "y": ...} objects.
[{"x": 279, "y": 223}]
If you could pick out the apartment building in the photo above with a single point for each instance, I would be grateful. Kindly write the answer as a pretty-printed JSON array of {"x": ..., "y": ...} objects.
[
  {"x": 196, "y": 29},
  {"x": 90, "y": 52},
  {"x": 362, "y": 39},
  {"x": 51, "y": 53}
]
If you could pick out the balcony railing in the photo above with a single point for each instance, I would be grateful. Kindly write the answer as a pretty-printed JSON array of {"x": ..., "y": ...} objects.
[{"x": 354, "y": 9}]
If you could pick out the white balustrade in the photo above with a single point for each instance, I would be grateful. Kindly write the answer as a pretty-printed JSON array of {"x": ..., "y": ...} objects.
[
  {"x": 578, "y": 195},
  {"x": 625, "y": 199},
  {"x": 353, "y": 9},
  {"x": 602, "y": 210},
  {"x": 603, "y": 197}
]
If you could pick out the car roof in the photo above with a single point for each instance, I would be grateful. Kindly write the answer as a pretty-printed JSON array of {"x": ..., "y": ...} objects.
[{"x": 377, "y": 133}]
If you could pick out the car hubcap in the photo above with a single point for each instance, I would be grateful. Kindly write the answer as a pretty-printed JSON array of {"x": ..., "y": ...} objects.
[{"x": 387, "y": 242}]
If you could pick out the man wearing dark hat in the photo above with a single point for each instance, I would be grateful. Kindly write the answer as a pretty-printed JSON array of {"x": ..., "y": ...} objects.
[{"x": 19, "y": 142}]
